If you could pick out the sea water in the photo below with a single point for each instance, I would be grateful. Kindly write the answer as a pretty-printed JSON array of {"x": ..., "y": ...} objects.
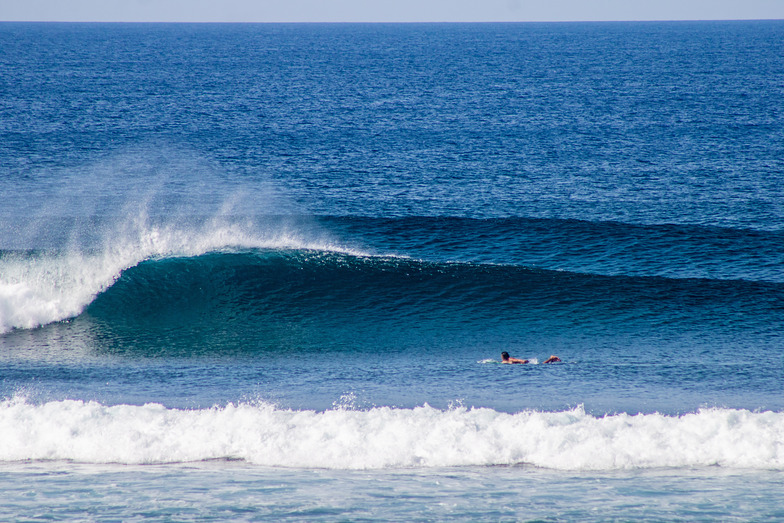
[{"x": 267, "y": 271}]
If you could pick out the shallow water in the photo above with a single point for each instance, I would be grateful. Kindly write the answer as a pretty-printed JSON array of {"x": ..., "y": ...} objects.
[{"x": 224, "y": 490}]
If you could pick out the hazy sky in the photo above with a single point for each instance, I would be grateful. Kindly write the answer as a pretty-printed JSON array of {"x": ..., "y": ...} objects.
[{"x": 385, "y": 10}]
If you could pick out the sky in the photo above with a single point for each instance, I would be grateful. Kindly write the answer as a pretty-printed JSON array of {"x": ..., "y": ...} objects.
[{"x": 384, "y": 10}]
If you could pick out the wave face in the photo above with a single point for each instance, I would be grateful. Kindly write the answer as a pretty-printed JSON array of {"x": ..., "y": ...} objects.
[
  {"x": 386, "y": 437},
  {"x": 297, "y": 283},
  {"x": 260, "y": 299},
  {"x": 309, "y": 295}
]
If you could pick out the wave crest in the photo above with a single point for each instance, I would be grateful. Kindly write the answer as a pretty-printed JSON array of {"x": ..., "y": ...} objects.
[{"x": 41, "y": 287}]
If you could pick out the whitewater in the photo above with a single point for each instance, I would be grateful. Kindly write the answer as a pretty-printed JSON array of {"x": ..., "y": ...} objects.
[{"x": 384, "y": 437}]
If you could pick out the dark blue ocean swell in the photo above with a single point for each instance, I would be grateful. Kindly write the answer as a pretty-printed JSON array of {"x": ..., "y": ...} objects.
[
  {"x": 607, "y": 248},
  {"x": 273, "y": 301}
]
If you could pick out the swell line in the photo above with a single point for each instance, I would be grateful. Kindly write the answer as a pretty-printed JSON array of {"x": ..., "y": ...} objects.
[
  {"x": 301, "y": 283},
  {"x": 608, "y": 248}
]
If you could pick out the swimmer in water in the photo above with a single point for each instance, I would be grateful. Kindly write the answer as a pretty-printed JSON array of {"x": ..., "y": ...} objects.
[{"x": 505, "y": 358}]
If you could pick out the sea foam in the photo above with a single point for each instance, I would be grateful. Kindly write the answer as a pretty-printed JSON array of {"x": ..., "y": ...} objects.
[{"x": 385, "y": 437}]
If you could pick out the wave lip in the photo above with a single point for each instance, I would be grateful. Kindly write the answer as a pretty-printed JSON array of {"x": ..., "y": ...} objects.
[
  {"x": 41, "y": 287},
  {"x": 385, "y": 437}
]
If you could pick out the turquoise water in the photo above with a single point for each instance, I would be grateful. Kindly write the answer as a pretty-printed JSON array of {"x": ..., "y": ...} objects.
[{"x": 267, "y": 271}]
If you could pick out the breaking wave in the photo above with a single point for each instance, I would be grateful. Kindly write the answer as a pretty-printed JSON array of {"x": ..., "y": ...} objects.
[{"x": 386, "y": 437}]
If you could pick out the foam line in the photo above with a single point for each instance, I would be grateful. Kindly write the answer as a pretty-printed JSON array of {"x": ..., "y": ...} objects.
[{"x": 388, "y": 437}]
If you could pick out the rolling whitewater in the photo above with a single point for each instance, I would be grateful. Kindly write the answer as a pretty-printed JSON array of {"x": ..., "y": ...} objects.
[{"x": 268, "y": 271}]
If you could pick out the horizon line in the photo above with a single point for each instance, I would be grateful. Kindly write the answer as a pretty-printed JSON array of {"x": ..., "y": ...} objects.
[{"x": 611, "y": 20}]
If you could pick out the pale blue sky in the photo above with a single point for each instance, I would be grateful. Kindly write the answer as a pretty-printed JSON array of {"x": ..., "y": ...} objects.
[{"x": 385, "y": 10}]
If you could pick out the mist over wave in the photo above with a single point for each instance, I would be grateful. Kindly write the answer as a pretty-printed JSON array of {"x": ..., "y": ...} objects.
[
  {"x": 386, "y": 437},
  {"x": 71, "y": 240}
]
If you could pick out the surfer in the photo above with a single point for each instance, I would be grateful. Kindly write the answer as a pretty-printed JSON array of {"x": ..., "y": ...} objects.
[{"x": 505, "y": 358}]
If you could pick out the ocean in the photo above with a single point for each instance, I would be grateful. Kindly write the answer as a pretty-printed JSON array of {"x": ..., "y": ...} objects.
[{"x": 267, "y": 271}]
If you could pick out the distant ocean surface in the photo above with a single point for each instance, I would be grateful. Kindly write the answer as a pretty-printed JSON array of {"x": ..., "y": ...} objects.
[{"x": 264, "y": 272}]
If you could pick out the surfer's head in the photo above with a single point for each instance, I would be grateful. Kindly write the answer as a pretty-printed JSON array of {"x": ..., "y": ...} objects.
[{"x": 504, "y": 356}]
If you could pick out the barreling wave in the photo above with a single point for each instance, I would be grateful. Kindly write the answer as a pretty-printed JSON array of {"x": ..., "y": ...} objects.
[
  {"x": 303, "y": 276},
  {"x": 385, "y": 437},
  {"x": 280, "y": 285},
  {"x": 38, "y": 287},
  {"x": 480, "y": 267}
]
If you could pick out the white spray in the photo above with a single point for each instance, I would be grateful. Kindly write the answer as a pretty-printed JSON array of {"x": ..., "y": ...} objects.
[{"x": 149, "y": 205}]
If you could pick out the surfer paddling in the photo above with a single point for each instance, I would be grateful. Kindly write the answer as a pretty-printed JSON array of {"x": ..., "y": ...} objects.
[{"x": 505, "y": 358}]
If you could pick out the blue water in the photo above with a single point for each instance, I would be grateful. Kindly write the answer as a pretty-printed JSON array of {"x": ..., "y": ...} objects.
[{"x": 267, "y": 271}]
